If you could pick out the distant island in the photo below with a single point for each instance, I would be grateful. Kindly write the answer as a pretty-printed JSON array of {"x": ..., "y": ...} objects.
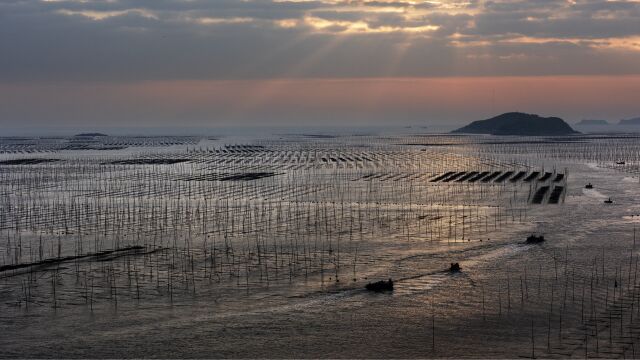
[
  {"x": 634, "y": 121},
  {"x": 593, "y": 122},
  {"x": 517, "y": 123},
  {"x": 90, "y": 135}
]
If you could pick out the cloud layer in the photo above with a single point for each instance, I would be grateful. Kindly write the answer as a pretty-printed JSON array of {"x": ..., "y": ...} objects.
[{"x": 127, "y": 40}]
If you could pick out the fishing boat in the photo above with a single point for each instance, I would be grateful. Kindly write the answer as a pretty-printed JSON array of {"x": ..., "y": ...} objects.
[
  {"x": 380, "y": 286},
  {"x": 608, "y": 201},
  {"x": 533, "y": 239},
  {"x": 588, "y": 186}
]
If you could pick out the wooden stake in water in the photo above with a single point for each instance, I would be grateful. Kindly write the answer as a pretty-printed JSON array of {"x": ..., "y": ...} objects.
[{"x": 533, "y": 342}]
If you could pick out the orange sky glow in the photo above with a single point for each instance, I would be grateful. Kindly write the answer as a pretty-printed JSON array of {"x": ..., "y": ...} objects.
[{"x": 380, "y": 101}]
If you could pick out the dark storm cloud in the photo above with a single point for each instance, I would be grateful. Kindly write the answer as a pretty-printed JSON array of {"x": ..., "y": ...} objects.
[{"x": 126, "y": 40}]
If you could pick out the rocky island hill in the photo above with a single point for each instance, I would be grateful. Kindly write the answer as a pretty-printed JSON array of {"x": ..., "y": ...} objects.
[
  {"x": 634, "y": 121},
  {"x": 516, "y": 123}
]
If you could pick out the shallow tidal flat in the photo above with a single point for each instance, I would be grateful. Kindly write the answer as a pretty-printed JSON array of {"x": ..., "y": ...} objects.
[{"x": 262, "y": 246}]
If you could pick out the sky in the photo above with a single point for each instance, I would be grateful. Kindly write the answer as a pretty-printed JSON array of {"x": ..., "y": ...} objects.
[{"x": 217, "y": 63}]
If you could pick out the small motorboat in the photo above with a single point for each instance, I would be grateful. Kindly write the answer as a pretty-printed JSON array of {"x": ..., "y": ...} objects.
[
  {"x": 588, "y": 186},
  {"x": 380, "y": 286},
  {"x": 608, "y": 201},
  {"x": 533, "y": 239},
  {"x": 620, "y": 162},
  {"x": 454, "y": 268}
]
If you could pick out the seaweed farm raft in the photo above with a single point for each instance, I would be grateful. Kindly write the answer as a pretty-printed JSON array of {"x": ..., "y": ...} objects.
[{"x": 149, "y": 242}]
